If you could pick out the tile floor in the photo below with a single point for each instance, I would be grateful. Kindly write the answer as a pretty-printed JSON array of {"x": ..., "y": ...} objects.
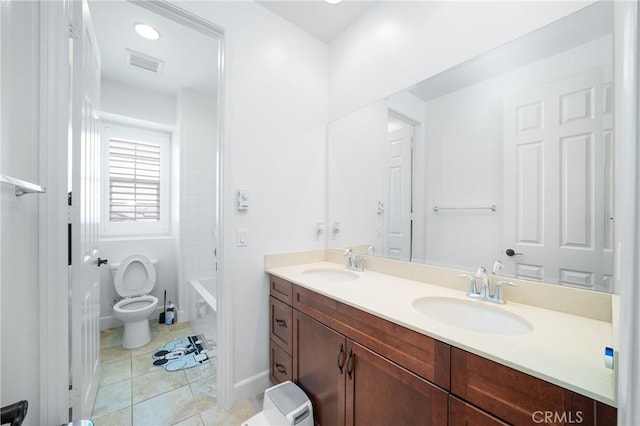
[{"x": 133, "y": 392}]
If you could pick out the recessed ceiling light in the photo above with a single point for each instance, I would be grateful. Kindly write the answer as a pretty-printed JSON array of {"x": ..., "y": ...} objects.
[
  {"x": 333, "y": 1},
  {"x": 147, "y": 31}
]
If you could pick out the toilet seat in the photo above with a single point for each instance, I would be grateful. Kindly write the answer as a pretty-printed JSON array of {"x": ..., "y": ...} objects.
[{"x": 136, "y": 276}]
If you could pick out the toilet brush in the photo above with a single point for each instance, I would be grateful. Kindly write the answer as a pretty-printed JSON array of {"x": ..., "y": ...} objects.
[{"x": 164, "y": 308}]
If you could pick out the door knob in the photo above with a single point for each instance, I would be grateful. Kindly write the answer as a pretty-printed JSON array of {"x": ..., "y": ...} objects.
[
  {"x": 102, "y": 262},
  {"x": 511, "y": 252}
]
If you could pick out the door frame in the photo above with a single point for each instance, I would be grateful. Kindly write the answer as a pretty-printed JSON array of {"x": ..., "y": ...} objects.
[{"x": 55, "y": 98}]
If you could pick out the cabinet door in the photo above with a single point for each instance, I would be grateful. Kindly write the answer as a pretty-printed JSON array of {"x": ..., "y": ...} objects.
[
  {"x": 463, "y": 414},
  {"x": 380, "y": 392},
  {"x": 318, "y": 368}
]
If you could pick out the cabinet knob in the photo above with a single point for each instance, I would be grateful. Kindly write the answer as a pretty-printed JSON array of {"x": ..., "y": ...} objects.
[{"x": 281, "y": 323}]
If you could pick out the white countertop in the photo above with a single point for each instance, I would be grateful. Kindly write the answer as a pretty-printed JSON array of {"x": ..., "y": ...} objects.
[{"x": 564, "y": 349}]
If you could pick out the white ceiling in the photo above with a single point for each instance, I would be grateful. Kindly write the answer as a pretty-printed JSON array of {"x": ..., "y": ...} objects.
[
  {"x": 322, "y": 20},
  {"x": 190, "y": 57}
]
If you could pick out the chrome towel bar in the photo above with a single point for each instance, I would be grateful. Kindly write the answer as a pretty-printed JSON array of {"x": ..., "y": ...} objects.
[
  {"x": 22, "y": 187},
  {"x": 493, "y": 208}
]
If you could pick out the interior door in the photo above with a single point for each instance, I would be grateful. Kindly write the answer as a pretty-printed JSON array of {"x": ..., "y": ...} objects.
[
  {"x": 560, "y": 132},
  {"x": 84, "y": 215},
  {"x": 398, "y": 193}
]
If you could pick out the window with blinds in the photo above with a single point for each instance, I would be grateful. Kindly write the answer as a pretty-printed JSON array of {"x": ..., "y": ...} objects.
[{"x": 134, "y": 181}]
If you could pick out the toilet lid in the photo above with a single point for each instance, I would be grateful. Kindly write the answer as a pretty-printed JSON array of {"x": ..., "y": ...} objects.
[{"x": 135, "y": 276}]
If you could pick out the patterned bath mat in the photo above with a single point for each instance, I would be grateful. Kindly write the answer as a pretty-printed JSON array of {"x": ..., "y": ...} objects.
[{"x": 181, "y": 354}]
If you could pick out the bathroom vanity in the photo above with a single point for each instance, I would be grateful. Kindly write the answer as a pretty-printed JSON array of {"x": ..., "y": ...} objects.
[{"x": 366, "y": 356}]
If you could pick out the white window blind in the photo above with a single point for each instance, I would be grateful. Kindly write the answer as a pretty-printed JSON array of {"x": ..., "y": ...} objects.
[{"x": 134, "y": 181}]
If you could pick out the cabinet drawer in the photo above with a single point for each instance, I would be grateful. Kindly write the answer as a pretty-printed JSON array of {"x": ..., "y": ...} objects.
[
  {"x": 281, "y": 329},
  {"x": 281, "y": 366},
  {"x": 424, "y": 356},
  {"x": 514, "y": 396},
  {"x": 461, "y": 413},
  {"x": 281, "y": 289}
]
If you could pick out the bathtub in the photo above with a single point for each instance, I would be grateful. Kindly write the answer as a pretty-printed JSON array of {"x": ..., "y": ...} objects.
[{"x": 203, "y": 307}]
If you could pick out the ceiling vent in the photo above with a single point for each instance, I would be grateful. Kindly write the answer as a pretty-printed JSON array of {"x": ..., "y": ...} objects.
[{"x": 143, "y": 61}]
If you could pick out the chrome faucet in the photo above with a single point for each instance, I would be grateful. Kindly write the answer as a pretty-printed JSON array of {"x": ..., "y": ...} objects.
[
  {"x": 355, "y": 263},
  {"x": 349, "y": 254},
  {"x": 484, "y": 292},
  {"x": 481, "y": 272}
]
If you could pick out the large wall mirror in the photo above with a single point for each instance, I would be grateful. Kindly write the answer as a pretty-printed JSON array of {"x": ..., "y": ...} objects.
[{"x": 507, "y": 157}]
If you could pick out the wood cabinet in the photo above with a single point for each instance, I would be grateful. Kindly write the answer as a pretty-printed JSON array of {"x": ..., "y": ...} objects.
[
  {"x": 463, "y": 413},
  {"x": 361, "y": 370},
  {"x": 319, "y": 355},
  {"x": 280, "y": 330},
  {"x": 349, "y": 384}
]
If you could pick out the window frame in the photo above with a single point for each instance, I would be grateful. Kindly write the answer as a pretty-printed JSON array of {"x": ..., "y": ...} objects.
[{"x": 151, "y": 136}]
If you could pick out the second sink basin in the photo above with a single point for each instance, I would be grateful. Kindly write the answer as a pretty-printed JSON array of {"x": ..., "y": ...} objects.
[
  {"x": 472, "y": 315},
  {"x": 331, "y": 274}
]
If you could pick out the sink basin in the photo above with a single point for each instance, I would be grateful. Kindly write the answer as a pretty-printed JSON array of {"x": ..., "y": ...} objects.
[
  {"x": 472, "y": 315},
  {"x": 331, "y": 274}
]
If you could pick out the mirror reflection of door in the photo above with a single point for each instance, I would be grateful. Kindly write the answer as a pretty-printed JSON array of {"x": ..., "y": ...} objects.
[
  {"x": 398, "y": 191},
  {"x": 558, "y": 203}
]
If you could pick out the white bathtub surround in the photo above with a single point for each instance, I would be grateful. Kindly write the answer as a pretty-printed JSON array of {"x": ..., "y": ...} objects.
[
  {"x": 564, "y": 349},
  {"x": 203, "y": 307}
]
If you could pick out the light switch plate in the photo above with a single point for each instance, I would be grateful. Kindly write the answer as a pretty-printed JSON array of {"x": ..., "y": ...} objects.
[
  {"x": 243, "y": 199},
  {"x": 242, "y": 237}
]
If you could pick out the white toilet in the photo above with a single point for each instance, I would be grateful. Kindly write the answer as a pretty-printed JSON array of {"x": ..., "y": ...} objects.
[{"x": 134, "y": 279}]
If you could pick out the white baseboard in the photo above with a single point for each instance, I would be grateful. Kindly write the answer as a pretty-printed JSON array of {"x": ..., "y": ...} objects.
[{"x": 251, "y": 386}]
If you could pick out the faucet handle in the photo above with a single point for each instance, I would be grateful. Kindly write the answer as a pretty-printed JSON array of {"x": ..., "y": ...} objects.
[
  {"x": 497, "y": 265},
  {"x": 347, "y": 252},
  {"x": 473, "y": 291},
  {"x": 481, "y": 271},
  {"x": 359, "y": 263},
  {"x": 497, "y": 295}
]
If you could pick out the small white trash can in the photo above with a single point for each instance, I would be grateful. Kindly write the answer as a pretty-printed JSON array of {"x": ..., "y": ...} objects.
[{"x": 284, "y": 405}]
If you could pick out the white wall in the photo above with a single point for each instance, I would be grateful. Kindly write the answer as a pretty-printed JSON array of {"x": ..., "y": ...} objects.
[
  {"x": 400, "y": 43},
  {"x": 197, "y": 116},
  {"x": 356, "y": 153},
  {"x": 275, "y": 111},
  {"x": 139, "y": 104},
  {"x": 19, "y": 152},
  {"x": 130, "y": 101}
]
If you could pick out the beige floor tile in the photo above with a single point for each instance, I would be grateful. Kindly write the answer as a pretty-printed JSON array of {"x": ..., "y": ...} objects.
[
  {"x": 113, "y": 353},
  {"x": 112, "y": 398},
  {"x": 143, "y": 364},
  {"x": 207, "y": 370},
  {"x": 166, "y": 409},
  {"x": 205, "y": 393},
  {"x": 118, "y": 418},
  {"x": 158, "y": 338},
  {"x": 191, "y": 421},
  {"x": 155, "y": 383},
  {"x": 216, "y": 416},
  {"x": 115, "y": 372},
  {"x": 111, "y": 337}
]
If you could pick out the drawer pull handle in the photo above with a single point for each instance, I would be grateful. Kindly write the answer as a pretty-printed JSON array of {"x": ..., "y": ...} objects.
[
  {"x": 341, "y": 358},
  {"x": 281, "y": 323},
  {"x": 281, "y": 368},
  {"x": 350, "y": 364}
]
